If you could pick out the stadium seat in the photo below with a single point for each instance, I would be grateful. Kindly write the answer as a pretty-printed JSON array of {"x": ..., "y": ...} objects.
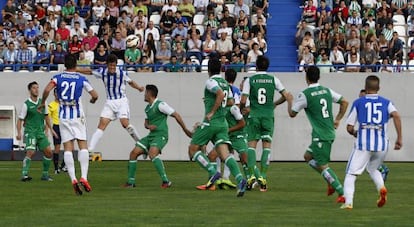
[
  {"x": 156, "y": 18},
  {"x": 95, "y": 29},
  {"x": 399, "y": 20},
  {"x": 230, "y": 7},
  {"x": 204, "y": 66},
  {"x": 400, "y": 30},
  {"x": 198, "y": 19},
  {"x": 201, "y": 29},
  {"x": 411, "y": 66},
  {"x": 409, "y": 42},
  {"x": 405, "y": 54},
  {"x": 34, "y": 52},
  {"x": 251, "y": 70},
  {"x": 61, "y": 67}
]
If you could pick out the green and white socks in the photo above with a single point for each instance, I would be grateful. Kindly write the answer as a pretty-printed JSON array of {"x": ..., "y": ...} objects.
[
  {"x": 26, "y": 166},
  {"x": 329, "y": 175}
]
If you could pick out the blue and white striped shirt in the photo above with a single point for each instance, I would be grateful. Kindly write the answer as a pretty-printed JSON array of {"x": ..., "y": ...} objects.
[
  {"x": 69, "y": 87},
  {"x": 115, "y": 84},
  {"x": 372, "y": 112}
]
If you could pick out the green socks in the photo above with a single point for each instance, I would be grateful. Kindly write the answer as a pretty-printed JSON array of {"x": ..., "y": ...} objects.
[
  {"x": 329, "y": 175},
  {"x": 246, "y": 171},
  {"x": 46, "y": 165},
  {"x": 26, "y": 166},
  {"x": 265, "y": 161},
  {"x": 203, "y": 161},
  {"x": 132, "y": 168},
  {"x": 234, "y": 168},
  {"x": 251, "y": 163},
  {"x": 159, "y": 166}
]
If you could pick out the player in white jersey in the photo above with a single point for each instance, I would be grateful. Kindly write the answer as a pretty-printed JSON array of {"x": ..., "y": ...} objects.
[
  {"x": 117, "y": 104},
  {"x": 372, "y": 113},
  {"x": 69, "y": 86}
]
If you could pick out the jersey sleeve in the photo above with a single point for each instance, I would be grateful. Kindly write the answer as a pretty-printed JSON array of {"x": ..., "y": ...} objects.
[
  {"x": 391, "y": 107},
  {"x": 246, "y": 87},
  {"x": 164, "y": 108},
  {"x": 46, "y": 110},
  {"x": 299, "y": 103},
  {"x": 235, "y": 111},
  {"x": 54, "y": 80},
  {"x": 353, "y": 115},
  {"x": 212, "y": 86},
  {"x": 98, "y": 73},
  {"x": 87, "y": 86},
  {"x": 336, "y": 97},
  {"x": 278, "y": 85},
  {"x": 126, "y": 76},
  {"x": 23, "y": 112}
]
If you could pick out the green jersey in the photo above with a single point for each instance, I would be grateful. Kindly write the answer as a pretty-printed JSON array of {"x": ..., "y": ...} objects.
[
  {"x": 157, "y": 114},
  {"x": 317, "y": 102},
  {"x": 34, "y": 122},
  {"x": 233, "y": 116},
  {"x": 261, "y": 90},
  {"x": 214, "y": 84}
]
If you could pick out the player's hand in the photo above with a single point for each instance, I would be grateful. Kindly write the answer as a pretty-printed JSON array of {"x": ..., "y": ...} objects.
[
  {"x": 41, "y": 108},
  {"x": 188, "y": 133},
  {"x": 141, "y": 88},
  {"x": 398, "y": 144},
  {"x": 336, "y": 124},
  {"x": 19, "y": 136},
  {"x": 152, "y": 127},
  {"x": 92, "y": 100},
  {"x": 209, "y": 116},
  {"x": 55, "y": 134}
]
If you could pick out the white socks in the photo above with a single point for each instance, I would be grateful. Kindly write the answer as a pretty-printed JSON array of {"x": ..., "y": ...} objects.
[
  {"x": 83, "y": 158},
  {"x": 95, "y": 139},
  {"x": 70, "y": 164},
  {"x": 377, "y": 178},
  {"x": 349, "y": 188},
  {"x": 218, "y": 161},
  {"x": 132, "y": 132}
]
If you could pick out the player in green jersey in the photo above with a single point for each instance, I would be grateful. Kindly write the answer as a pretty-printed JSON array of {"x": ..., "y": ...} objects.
[
  {"x": 34, "y": 132},
  {"x": 317, "y": 101},
  {"x": 260, "y": 89},
  {"x": 214, "y": 128},
  {"x": 157, "y": 113}
]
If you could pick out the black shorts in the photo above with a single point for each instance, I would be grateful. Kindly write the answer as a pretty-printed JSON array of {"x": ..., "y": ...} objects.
[{"x": 56, "y": 141}]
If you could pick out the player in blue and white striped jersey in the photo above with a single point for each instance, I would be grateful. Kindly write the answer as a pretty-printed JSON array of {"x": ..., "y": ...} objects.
[
  {"x": 372, "y": 113},
  {"x": 117, "y": 104},
  {"x": 69, "y": 86}
]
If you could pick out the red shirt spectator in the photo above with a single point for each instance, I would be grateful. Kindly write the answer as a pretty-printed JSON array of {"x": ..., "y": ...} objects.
[
  {"x": 63, "y": 31},
  {"x": 91, "y": 39},
  {"x": 342, "y": 7},
  {"x": 309, "y": 12}
]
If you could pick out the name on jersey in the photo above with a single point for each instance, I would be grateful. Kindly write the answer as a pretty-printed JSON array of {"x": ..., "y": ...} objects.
[
  {"x": 70, "y": 76},
  {"x": 377, "y": 127},
  {"x": 316, "y": 93},
  {"x": 263, "y": 81}
]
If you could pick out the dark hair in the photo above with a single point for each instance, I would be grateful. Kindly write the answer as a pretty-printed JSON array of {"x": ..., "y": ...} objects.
[
  {"x": 70, "y": 61},
  {"x": 214, "y": 66},
  {"x": 112, "y": 58},
  {"x": 372, "y": 83},
  {"x": 230, "y": 75},
  {"x": 262, "y": 63},
  {"x": 152, "y": 89},
  {"x": 313, "y": 74},
  {"x": 30, "y": 85}
]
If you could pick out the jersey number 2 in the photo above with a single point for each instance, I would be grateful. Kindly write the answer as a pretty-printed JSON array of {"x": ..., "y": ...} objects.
[
  {"x": 66, "y": 86},
  {"x": 324, "y": 104}
]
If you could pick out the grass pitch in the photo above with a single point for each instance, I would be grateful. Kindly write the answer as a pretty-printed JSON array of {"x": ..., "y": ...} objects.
[{"x": 296, "y": 197}]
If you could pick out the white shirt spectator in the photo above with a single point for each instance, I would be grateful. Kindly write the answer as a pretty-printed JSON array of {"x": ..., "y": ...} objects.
[
  {"x": 155, "y": 33},
  {"x": 98, "y": 11},
  {"x": 89, "y": 55}
]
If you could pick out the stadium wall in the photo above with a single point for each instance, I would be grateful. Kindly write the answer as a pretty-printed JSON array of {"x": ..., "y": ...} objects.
[{"x": 184, "y": 92}]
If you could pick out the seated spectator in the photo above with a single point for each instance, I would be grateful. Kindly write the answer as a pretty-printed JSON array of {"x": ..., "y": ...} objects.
[
  {"x": 187, "y": 9},
  {"x": 223, "y": 45},
  {"x": 259, "y": 39},
  {"x": 91, "y": 39},
  {"x": 163, "y": 39},
  {"x": 101, "y": 54},
  {"x": 63, "y": 32},
  {"x": 167, "y": 23},
  {"x": 83, "y": 62},
  {"x": 20, "y": 20},
  {"x": 323, "y": 43},
  {"x": 42, "y": 56},
  {"x": 153, "y": 30},
  {"x": 323, "y": 7},
  {"x": 54, "y": 9},
  {"x": 142, "y": 18},
  {"x": 225, "y": 29},
  {"x": 309, "y": 12},
  {"x": 164, "y": 55},
  {"x": 341, "y": 11},
  {"x": 118, "y": 46},
  {"x": 58, "y": 39},
  {"x": 217, "y": 6},
  {"x": 124, "y": 18},
  {"x": 371, "y": 22},
  {"x": 324, "y": 65},
  {"x": 337, "y": 58},
  {"x": 239, "y": 6},
  {"x": 53, "y": 21},
  {"x": 178, "y": 41},
  {"x": 213, "y": 23},
  {"x": 57, "y": 57},
  {"x": 68, "y": 11},
  {"x": 201, "y": 6},
  {"x": 45, "y": 40},
  {"x": 146, "y": 67},
  {"x": 190, "y": 66},
  {"x": 399, "y": 67},
  {"x": 75, "y": 46},
  {"x": 179, "y": 53},
  {"x": 9, "y": 10},
  {"x": 156, "y": 6},
  {"x": 10, "y": 56},
  {"x": 388, "y": 30},
  {"x": 348, "y": 54},
  {"x": 89, "y": 54},
  {"x": 386, "y": 67},
  {"x": 179, "y": 18},
  {"x": 31, "y": 34},
  {"x": 365, "y": 32},
  {"x": 180, "y": 30},
  {"x": 262, "y": 5},
  {"x": 324, "y": 19},
  {"x": 209, "y": 46},
  {"x": 141, "y": 7},
  {"x": 139, "y": 30},
  {"x": 354, "y": 7},
  {"x": 78, "y": 31},
  {"x": 353, "y": 41},
  {"x": 236, "y": 63},
  {"x": 242, "y": 17},
  {"x": 305, "y": 60},
  {"x": 77, "y": 19},
  {"x": 194, "y": 47},
  {"x": 303, "y": 29},
  {"x": 353, "y": 64},
  {"x": 225, "y": 63},
  {"x": 354, "y": 19},
  {"x": 231, "y": 22},
  {"x": 113, "y": 9},
  {"x": 48, "y": 28},
  {"x": 169, "y": 6},
  {"x": 368, "y": 58},
  {"x": 396, "y": 47},
  {"x": 24, "y": 58},
  {"x": 132, "y": 56},
  {"x": 239, "y": 29},
  {"x": 173, "y": 65},
  {"x": 193, "y": 29},
  {"x": 84, "y": 11},
  {"x": 259, "y": 13},
  {"x": 244, "y": 42},
  {"x": 259, "y": 27},
  {"x": 149, "y": 54},
  {"x": 108, "y": 18},
  {"x": 98, "y": 12},
  {"x": 399, "y": 7}
]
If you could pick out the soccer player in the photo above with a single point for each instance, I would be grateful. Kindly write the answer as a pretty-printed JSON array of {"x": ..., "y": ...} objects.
[
  {"x": 384, "y": 170},
  {"x": 69, "y": 86},
  {"x": 117, "y": 104},
  {"x": 317, "y": 101},
  {"x": 157, "y": 113},
  {"x": 34, "y": 132},
  {"x": 260, "y": 89},
  {"x": 53, "y": 109},
  {"x": 214, "y": 128},
  {"x": 372, "y": 112}
]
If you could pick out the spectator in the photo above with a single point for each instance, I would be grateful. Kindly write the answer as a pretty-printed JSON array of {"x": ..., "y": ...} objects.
[
  {"x": 91, "y": 39},
  {"x": 179, "y": 18},
  {"x": 179, "y": 53},
  {"x": 348, "y": 54},
  {"x": 338, "y": 40},
  {"x": 107, "y": 41},
  {"x": 57, "y": 57},
  {"x": 9, "y": 10},
  {"x": 149, "y": 54},
  {"x": 194, "y": 47},
  {"x": 244, "y": 42},
  {"x": 354, "y": 7},
  {"x": 223, "y": 45},
  {"x": 78, "y": 19},
  {"x": 237, "y": 51},
  {"x": 13, "y": 38},
  {"x": 337, "y": 58},
  {"x": 353, "y": 41},
  {"x": 305, "y": 60},
  {"x": 209, "y": 46},
  {"x": 169, "y": 6},
  {"x": 187, "y": 9},
  {"x": 58, "y": 39},
  {"x": 42, "y": 56},
  {"x": 67, "y": 12},
  {"x": 84, "y": 12},
  {"x": 153, "y": 30},
  {"x": 76, "y": 30},
  {"x": 129, "y": 8},
  {"x": 173, "y": 65},
  {"x": 368, "y": 58},
  {"x": 309, "y": 12},
  {"x": 122, "y": 29},
  {"x": 146, "y": 67},
  {"x": 193, "y": 29},
  {"x": 151, "y": 43},
  {"x": 386, "y": 67},
  {"x": 180, "y": 30},
  {"x": 118, "y": 46},
  {"x": 98, "y": 12},
  {"x": 216, "y": 6},
  {"x": 108, "y": 18},
  {"x": 353, "y": 64},
  {"x": 399, "y": 7},
  {"x": 163, "y": 56},
  {"x": 31, "y": 34},
  {"x": 75, "y": 46},
  {"x": 323, "y": 43},
  {"x": 236, "y": 62},
  {"x": 132, "y": 56},
  {"x": 213, "y": 23},
  {"x": 55, "y": 9},
  {"x": 354, "y": 19},
  {"x": 399, "y": 67},
  {"x": 113, "y": 10},
  {"x": 201, "y": 6},
  {"x": 259, "y": 39},
  {"x": 323, "y": 7},
  {"x": 45, "y": 40},
  {"x": 167, "y": 23},
  {"x": 387, "y": 31},
  {"x": 371, "y": 22},
  {"x": 141, "y": 7},
  {"x": 324, "y": 65},
  {"x": 225, "y": 29},
  {"x": 224, "y": 63},
  {"x": 259, "y": 13},
  {"x": 259, "y": 27},
  {"x": 89, "y": 54},
  {"x": 366, "y": 31},
  {"x": 53, "y": 21},
  {"x": 396, "y": 47},
  {"x": 156, "y": 6},
  {"x": 240, "y": 5},
  {"x": 124, "y": 19},
  {"x": 24, "y": 58},
  {"x": 20, "y": 20},
  {"x": 101, "y": 54},
  {"x": 262, "y": 5},
  {"x": 242, "y": 17},
  {"x": 83, "y": 61},
  {"x": 342, "y": 9},
  {"x": 10, "y": 56},
  {"x": 63, "y": 32},
  {"x": 303, "y": 29},
  {"x": 231, "y": 22}
]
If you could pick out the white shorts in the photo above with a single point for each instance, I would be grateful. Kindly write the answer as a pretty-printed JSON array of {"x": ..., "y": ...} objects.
[
  {"x": 71, "y": 129},
  {"x": 359, "y": 160},
  {"x": 116, "y": 109}
]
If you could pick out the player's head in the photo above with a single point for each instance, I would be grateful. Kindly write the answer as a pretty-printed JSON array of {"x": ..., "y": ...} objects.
[
  {"x": 151, "y": 92},
  {"x": 312, "y": 74},
  {"x": 262, "y": 63},
  {"x": 33, "y": 88},
  {"x": 230, "y": 75},
  {"x": 112, "y": 61},
  {"x": 70, "y": 62},
  {"x": 372, "y": 84},
  {"x": 362, "y": 92},
  {"x": 214, "y": 66}
]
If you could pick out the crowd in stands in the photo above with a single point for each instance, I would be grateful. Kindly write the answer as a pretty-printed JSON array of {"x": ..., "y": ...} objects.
[
  {"x": 174, "y": 35},
  {"x": 356, "y": 35}
]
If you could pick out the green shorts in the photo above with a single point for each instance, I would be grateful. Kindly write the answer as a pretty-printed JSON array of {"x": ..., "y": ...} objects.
[
  {"x": 239, "y": 144},
  {"x": 36, "y": 139},
  {"x": 217, "y": 133},
  {"x": 320, "y": 151},
  {"x": 260, "y": 128},
  {"x": 152, "y": 141}
]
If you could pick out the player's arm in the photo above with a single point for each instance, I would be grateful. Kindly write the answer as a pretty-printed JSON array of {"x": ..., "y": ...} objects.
[
  {"x": 148, "y": 126},
  {"x": 343, "y": 105},
  {"x": 398, "y": 128},
  {"x": 84, "y": 70},
  {"x": 235, "y": 111},
  {"x": 279, "y": 87},
  {"x": 245, "y": 94},
  {"x": 180, "y": 121},
  {"x": 296, "y": 105},
  {"x": 49, "y": 87},
  {"x": 92, "y": 92},
  {"x": 20, "y": 121},
  {"x": 135, "y": 85}
]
